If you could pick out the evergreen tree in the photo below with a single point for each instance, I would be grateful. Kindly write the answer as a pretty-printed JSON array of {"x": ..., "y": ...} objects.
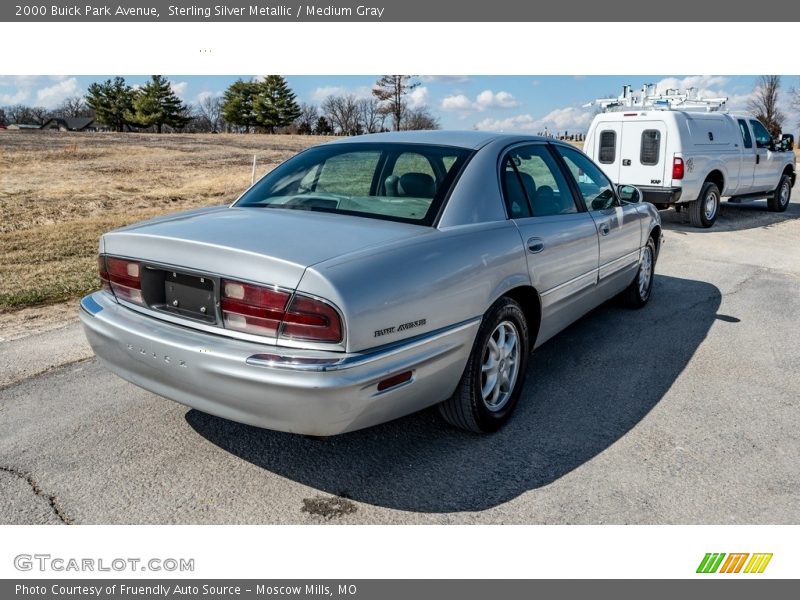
[
  {"x": 275, "y": 104},
  {"x": 112, "y": 102},
  {"x": 237, "y": 103},
  {"x": 323, "y": 127},
  {"x": 156, "y": 103}
]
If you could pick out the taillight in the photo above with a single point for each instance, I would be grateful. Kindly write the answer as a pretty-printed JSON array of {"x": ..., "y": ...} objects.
[
  {"x": 122, "y": 277},
  {"x": 677, "y": 168},
  {"x": 251, "y": 308},
  {"x": 268, "y": 311},
  {"x": 312, "y": 320}
]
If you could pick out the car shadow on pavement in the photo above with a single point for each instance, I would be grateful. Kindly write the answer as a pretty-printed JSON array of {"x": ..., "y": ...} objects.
[
  {"x": 585, "y": 389},
  {"x": 733, "y": 217}
]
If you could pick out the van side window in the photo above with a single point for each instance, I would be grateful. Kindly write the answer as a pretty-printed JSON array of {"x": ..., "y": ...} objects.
[
  {"x": 748, "y": 141},
  {"x": 763, "y": 138},
  {"x": 608, "y": 147},
  {"x": 651, "y": 146}
]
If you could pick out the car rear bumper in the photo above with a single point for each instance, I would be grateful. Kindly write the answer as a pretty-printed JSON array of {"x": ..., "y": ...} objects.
[
  {"x": 661, "y": 195},
  {"x": 314, "y": 393}
]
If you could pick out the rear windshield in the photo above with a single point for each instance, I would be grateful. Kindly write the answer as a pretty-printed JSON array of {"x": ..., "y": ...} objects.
[{"x": 397, "y": 182}]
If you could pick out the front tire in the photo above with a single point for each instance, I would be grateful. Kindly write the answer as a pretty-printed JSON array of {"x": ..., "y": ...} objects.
[
  {"x": 779, "y": 201},
  {"x": 495, "y": 373},
  {"x": 638, "y": 292}
]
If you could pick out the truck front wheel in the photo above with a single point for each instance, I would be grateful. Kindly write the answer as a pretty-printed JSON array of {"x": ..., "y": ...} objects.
[
  {"x": 703, "y": 211},
  {"x": 779, "y": 201}
]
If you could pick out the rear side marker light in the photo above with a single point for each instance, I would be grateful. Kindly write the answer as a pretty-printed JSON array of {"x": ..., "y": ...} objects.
[{"x": 394, "y": 380}]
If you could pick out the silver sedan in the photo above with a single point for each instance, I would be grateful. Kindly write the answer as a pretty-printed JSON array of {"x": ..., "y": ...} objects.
[{"x": 371, "y": 277}]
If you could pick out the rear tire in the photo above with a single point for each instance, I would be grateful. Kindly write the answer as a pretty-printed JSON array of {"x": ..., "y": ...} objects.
[
  {"x": 703, "y": 211},
  {"x": 495, "y": 373},
  {"x": 638, "y": 292},
  {"x": 781, "y": 196}
]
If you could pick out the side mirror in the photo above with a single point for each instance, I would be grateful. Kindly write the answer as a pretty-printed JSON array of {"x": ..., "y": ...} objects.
[
  {"x": 787, "y": 141},
  {"x": 629, "y": 193}
]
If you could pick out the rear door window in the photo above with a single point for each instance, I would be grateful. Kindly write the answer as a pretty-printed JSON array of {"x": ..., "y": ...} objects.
[
  {"x": 650, "y": 147},
  {"x": 608, "y": 147},
  {"x": 540, "y": 178}
]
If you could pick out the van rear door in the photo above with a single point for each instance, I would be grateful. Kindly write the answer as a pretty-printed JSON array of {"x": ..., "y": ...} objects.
[
  {"x": 606, "y": 148},
  {"x": 643, "y": 153}
]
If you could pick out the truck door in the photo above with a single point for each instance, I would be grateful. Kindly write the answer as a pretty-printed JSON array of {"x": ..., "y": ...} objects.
[
  {"x": 748, "y": 159},
  {"x": 643, "y": 153},
  {"x": 765, "y": 177},
  {"x": 606, "y": 148}
]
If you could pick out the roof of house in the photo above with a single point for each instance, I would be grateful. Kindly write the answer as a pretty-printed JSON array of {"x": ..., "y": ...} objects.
[{"x": 71, "y": 123}]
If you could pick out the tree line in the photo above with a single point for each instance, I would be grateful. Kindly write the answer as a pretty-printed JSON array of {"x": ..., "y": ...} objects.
[{"x": 261, "y": 105}]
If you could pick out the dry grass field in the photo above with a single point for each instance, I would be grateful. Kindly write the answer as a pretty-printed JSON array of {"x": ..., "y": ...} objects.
[{"x": 60, "y": 191}]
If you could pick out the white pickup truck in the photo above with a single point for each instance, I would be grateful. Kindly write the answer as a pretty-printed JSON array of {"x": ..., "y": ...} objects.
[{"x": 693, "y": 159}]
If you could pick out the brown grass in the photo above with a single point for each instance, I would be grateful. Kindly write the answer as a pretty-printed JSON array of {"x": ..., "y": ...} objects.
[{"x": 60, "y": 191}]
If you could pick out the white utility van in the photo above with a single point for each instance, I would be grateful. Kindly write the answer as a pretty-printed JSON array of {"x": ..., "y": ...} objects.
[{"x": 689, "y": 158}]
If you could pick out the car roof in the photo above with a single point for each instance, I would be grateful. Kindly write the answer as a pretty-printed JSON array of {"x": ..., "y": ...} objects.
[{"x": 463, "y": 139}]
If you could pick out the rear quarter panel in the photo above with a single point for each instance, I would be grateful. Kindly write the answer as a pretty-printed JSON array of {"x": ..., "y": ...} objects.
[{"x": 410, "y": 288}]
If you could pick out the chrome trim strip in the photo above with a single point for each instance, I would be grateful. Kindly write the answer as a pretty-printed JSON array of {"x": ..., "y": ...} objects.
[
  {"x": 561, "y": 286},
  {"x": 316, "y": 364}
]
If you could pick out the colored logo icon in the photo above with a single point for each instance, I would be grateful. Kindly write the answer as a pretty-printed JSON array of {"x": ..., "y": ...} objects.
[{"x": 719, "y": 562}]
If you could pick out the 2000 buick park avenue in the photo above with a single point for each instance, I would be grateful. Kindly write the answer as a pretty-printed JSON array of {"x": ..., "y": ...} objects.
[{"x": 371, "y": 277}]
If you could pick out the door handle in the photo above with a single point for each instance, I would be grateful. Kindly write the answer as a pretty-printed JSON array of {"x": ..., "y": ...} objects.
[
  {"x": 758, "y": 158},
  {"x": 604, "y": 229},
  {"x": 535, "y": 245}
]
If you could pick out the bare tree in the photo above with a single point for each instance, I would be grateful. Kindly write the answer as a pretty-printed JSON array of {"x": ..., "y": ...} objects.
[
  {"x": 73, "y": 107},
  {"x": 419, "y": 118},
  {"x": 370, "y": 115},
  {"x": 796, "y": 101},
  {"x": 309, "y": 115},
  {"x": 3, "y": 118},
  {"x": 342, "y": 112},
  {"x": 210, "y": 108},
  {"x": 26, "y": 115},
  {"x": 391, "y": 91},
  {"x": 764, "y": 103}
]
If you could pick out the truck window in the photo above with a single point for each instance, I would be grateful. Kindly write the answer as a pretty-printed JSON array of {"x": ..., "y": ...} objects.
[
  {"x": 651, "y": 146},
  {"x": 748, "y": 141},
  {"x": 608, "y": 147},
  {"x": 763, "y": 138}
]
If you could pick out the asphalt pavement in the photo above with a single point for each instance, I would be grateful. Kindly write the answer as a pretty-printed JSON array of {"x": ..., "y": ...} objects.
[{"x": 687, "y": 411}]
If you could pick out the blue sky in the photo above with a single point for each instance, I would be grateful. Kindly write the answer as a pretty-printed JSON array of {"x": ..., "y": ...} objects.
[{"x": 508, "y": 103}]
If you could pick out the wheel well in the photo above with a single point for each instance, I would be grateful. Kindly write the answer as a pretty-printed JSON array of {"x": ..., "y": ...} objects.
[
  {"x": 656, "y": 235},
  {"x": 791, "y": 173},
  {"x": 718, "y": 179},
  {"x": 528, "y": 298}
]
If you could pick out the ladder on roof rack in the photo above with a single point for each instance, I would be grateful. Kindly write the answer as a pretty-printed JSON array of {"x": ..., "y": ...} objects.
[{"x": 648, "y": 98}]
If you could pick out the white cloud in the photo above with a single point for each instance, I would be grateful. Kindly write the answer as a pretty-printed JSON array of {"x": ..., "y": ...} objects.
[
  {"x": 179, "y": 87},
  {"x": 486, "y": 100},
  {"x": 319, "y": 94},
  {"x": 51, "y": 96},
  {"x": 418, "y": 98},
  {"x": 203, "y": 95},
  {"x": 16, "y": 97},
  {"x": 569, "y": 118},
  {"x": 447, "y": 79},
  {"x": 457, "y": 102}
]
